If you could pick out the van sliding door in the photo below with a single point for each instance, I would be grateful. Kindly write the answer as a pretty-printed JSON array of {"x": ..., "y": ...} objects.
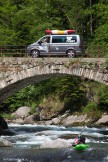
[{"x": 58, "y": 45}]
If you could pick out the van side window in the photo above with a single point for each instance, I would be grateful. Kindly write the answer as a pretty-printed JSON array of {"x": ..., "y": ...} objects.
[
  {"x": 58, "y": 39},
  {"x": 71, "y": 39}
]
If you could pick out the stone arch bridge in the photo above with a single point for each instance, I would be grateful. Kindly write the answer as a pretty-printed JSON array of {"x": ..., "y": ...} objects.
[{"x": 17, "y": 73}]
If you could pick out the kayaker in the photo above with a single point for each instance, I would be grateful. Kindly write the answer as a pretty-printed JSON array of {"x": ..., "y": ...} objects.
[{"x": 79, "y": 140}]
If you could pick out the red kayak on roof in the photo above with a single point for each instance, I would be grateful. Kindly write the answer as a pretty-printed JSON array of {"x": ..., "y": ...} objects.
[{"x": 60, "y": 31}]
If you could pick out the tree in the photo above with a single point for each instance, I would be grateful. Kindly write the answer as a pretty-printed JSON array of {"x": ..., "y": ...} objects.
[
  {"x": 7, "y": 33},
  {"x": 23, "y": 22}
]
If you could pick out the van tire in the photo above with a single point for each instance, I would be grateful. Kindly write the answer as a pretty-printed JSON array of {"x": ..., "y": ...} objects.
[
  {"x": 35, "y": 53},
  {"x": 71, "y": 53}
]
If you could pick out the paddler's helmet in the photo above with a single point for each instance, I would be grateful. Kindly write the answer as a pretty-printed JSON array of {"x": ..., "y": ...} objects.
[{"x": 81, "y": 139}]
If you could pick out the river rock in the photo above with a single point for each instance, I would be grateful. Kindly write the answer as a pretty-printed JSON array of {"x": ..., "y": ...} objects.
[
  {"x": 48, "y": 122},
  {"x": 31, "y": 119},
  {"x": 6, "y": 132},
  {"x": 21, "y": 112},
  {"x": 4, "y": 142},
  {"x": 58, "y": 143},
  {"x": 55, "y": 120},
  {"x": 3, "y": 123},
  {"x": 74, "y": 119},
  {"x": 18, "y": 121},
  {"x": 103, "y": 120}
]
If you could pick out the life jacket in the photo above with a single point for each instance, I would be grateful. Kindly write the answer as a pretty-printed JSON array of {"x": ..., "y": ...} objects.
[
  {"x": 76, "y": 141},
  {"x": 79, "y": 140}
]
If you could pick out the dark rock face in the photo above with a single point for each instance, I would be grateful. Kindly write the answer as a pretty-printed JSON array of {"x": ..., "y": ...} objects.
[
  {"x": 6, "y": 132},
  {"x": 4, "y": 128},
  {"x": 3, "y": 123}
]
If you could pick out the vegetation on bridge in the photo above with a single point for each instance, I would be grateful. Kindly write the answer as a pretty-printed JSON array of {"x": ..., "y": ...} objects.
[{"x": 23, "y": 22}]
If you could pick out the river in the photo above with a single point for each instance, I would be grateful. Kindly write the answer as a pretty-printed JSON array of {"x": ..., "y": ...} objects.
[{"x": 41, "y": 143}]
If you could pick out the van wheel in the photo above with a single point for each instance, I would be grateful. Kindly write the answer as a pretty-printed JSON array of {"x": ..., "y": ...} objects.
[
  {"x": 71, "y": 53},
  {"x": 35, "y": 53}
]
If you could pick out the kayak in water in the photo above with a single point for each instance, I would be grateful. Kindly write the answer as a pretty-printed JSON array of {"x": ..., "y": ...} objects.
[
  {"x": 81, "y": 147},
  {"x": 79, "y": 143}
]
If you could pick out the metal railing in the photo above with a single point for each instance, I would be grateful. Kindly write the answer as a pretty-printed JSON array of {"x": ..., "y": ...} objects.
[{"x": 21, "y": 51}]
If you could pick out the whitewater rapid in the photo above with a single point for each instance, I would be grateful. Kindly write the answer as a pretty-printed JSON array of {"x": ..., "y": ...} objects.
[{"x": 51, "y": 143}]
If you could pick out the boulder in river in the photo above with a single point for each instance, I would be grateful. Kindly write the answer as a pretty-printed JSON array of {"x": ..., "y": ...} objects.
[
  {"x": 22, "y": 112},
  {"x": 3, "y": 123},
  {"x": 75, "y": 119},
  {"x": 103, "y": 120},
  {"x": 4, "y": 142},
  {"x": 32, "y": 119},
  {"x": 57, "y": 143},
  {"x": 4, "y": 130}
]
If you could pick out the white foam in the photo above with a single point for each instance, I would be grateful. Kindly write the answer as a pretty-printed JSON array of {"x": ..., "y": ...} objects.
[
  {"x": 31, "y": 138},
  {"x": 35, "y": 125},
  {"x": 17, "y": 160},
  {"x": 106, "y": 158}
]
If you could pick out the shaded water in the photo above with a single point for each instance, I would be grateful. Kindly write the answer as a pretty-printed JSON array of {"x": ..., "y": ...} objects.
[{"x": 29, "y": 139}]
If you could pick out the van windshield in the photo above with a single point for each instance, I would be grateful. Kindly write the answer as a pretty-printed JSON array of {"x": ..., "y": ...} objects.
[
  {"x": 64, "y": 39},
  {"x": 45, "y": 39}
]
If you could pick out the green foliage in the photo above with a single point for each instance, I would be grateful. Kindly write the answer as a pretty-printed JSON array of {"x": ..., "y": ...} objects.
[
  {"x": 90, "y": 107},
  {"x": 92, "y": 111},
  {"x": 98, "y": 98},
  {"x": 7, "y": 116},
  {"x": 33, "y": 107},
  {"x": 67, "y": 89},
  {"x": 30, "y": 96},
  {"x": 103, "y": 98},
  {"x": 106, "y": 63},
  {"x": 69, "y": 92},
  {"x": 23, "y": 22}
]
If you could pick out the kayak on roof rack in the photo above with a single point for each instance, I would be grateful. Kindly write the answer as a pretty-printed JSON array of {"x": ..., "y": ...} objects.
[{"x": 60, "y": 31}]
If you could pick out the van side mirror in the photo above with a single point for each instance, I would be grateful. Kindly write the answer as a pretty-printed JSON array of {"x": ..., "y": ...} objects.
[{"x": 40, "y": 42}]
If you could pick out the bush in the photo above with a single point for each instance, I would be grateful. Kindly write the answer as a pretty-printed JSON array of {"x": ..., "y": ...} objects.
[{"x": 91, "y": 106}]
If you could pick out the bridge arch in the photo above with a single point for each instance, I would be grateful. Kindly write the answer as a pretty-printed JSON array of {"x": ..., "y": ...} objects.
[
  {"x": 16, "y": 86},
  {"x": 19, "y": 73}
]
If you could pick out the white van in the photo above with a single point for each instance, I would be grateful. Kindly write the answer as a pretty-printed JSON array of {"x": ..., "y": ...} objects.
[{"x": 56, "y": 45}]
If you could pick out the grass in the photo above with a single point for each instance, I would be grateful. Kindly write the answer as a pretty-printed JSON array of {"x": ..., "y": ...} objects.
[{"x": 7, "y": 116}]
